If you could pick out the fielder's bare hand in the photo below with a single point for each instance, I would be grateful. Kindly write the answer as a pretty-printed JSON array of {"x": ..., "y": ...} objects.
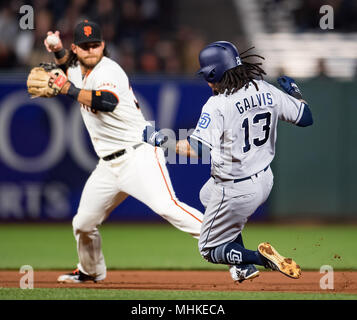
[{"x": 53, "y": 47}]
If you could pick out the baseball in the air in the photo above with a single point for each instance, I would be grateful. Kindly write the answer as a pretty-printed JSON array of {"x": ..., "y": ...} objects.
[{"x": 52, "y": 40}]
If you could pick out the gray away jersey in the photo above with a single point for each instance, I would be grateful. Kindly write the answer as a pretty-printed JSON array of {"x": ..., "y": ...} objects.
[{"x": 241, "y": 129}]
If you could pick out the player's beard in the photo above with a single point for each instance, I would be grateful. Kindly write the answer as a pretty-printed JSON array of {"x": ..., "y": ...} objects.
[{"x": 92, "y": 64}]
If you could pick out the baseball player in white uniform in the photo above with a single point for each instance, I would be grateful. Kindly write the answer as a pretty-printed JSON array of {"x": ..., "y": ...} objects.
[
  {"x": 238, "y": 127},
  {"x": 127, "y": 165}
]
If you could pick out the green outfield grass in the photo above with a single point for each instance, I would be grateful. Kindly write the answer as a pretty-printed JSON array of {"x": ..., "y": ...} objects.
[{"x": 160, "y": 246}]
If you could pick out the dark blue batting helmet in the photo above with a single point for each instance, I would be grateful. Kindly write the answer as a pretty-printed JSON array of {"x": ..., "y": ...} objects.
[{"x": 216, "y": 58}]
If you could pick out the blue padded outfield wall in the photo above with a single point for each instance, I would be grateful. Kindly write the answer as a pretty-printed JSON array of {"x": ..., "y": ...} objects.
[{"x": 46, "y": 155}]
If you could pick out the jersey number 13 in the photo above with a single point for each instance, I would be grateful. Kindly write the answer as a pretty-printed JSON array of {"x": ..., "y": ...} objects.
[{"x": 260, "y": 117}]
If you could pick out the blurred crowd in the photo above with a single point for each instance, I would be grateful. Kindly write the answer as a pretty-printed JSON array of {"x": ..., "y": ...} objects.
[{"x": 142, "y": 35}]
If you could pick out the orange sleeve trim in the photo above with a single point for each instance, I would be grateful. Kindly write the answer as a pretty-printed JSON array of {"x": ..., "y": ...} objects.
[{"x": 168, "y": 189}]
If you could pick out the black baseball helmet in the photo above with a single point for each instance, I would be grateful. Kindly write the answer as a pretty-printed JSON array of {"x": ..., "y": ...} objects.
[{"x": 216, "y": 58}]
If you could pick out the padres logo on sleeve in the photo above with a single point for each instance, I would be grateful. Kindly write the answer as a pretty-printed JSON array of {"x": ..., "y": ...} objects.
[{"x": 204, "y": 121}]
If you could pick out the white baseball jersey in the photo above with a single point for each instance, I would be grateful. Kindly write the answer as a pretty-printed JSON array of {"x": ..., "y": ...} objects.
[
  {"x": 110, "y": 131},
  {"x": 241, "y": 128},
  {"x": 139, "y": 172}
]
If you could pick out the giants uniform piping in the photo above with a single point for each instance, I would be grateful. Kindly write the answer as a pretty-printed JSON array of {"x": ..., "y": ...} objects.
[{"x": 168, "y": 189}]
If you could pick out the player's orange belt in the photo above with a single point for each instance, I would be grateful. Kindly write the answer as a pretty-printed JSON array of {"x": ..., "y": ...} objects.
[{"x": 119, "y": 153}]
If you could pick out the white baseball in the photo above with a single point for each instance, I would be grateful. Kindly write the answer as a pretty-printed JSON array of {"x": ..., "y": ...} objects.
[{"x": 52, "y": 40}]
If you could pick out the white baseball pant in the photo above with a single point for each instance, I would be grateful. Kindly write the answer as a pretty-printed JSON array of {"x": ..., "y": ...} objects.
[{"x": 140, "y": 173}]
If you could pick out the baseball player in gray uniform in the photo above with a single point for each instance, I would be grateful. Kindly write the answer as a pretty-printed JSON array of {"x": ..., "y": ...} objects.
[{"x": 238, "y": 127}]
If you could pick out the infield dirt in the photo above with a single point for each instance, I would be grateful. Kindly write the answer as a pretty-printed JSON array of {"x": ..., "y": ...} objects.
[{"x": 344, "y": 281}]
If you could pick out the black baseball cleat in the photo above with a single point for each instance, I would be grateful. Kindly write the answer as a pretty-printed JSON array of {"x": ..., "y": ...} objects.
[
  {"x": 76, "y": 276},
  {"x": 273, "y": 260}
]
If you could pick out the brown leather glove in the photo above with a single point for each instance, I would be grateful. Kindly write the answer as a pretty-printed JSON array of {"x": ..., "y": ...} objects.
[{"x": 45, "y": 81}]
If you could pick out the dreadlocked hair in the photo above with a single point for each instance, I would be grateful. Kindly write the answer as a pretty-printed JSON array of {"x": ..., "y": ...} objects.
[
  {"x": 240, "y": 76},
  {"x": 72, "y": 58}
]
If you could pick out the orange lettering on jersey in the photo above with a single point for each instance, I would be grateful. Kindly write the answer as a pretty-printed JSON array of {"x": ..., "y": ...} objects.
[
  {"x": 87, "y": 30},
  {"x": 98, "y": 93},
  {"x": 107, "y": 84}
]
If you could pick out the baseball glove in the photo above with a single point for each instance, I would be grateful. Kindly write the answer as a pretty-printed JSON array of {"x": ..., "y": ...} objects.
[{"x": 45, "y": 81}]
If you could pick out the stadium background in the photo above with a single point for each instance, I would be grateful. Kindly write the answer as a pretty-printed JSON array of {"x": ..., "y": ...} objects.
[{"x": 45, "y": 153}]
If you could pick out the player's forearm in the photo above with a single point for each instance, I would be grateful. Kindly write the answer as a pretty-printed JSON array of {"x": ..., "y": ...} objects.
[
  {"x": 53, "y": 43},
  {"x": 80, "y": 95},
  {"x": 61, "y": 57},
  {"x": 159, "y": 139},
  {"x": 183, "y": 148},
  {"x": 99, "y": 100},
  {"x": 85, "y": 97}
]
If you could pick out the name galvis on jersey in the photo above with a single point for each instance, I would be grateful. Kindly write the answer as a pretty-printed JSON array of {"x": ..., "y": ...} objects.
[
  {"x": 241, "y": 128},
  {"x": 257, "y": 100}
]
